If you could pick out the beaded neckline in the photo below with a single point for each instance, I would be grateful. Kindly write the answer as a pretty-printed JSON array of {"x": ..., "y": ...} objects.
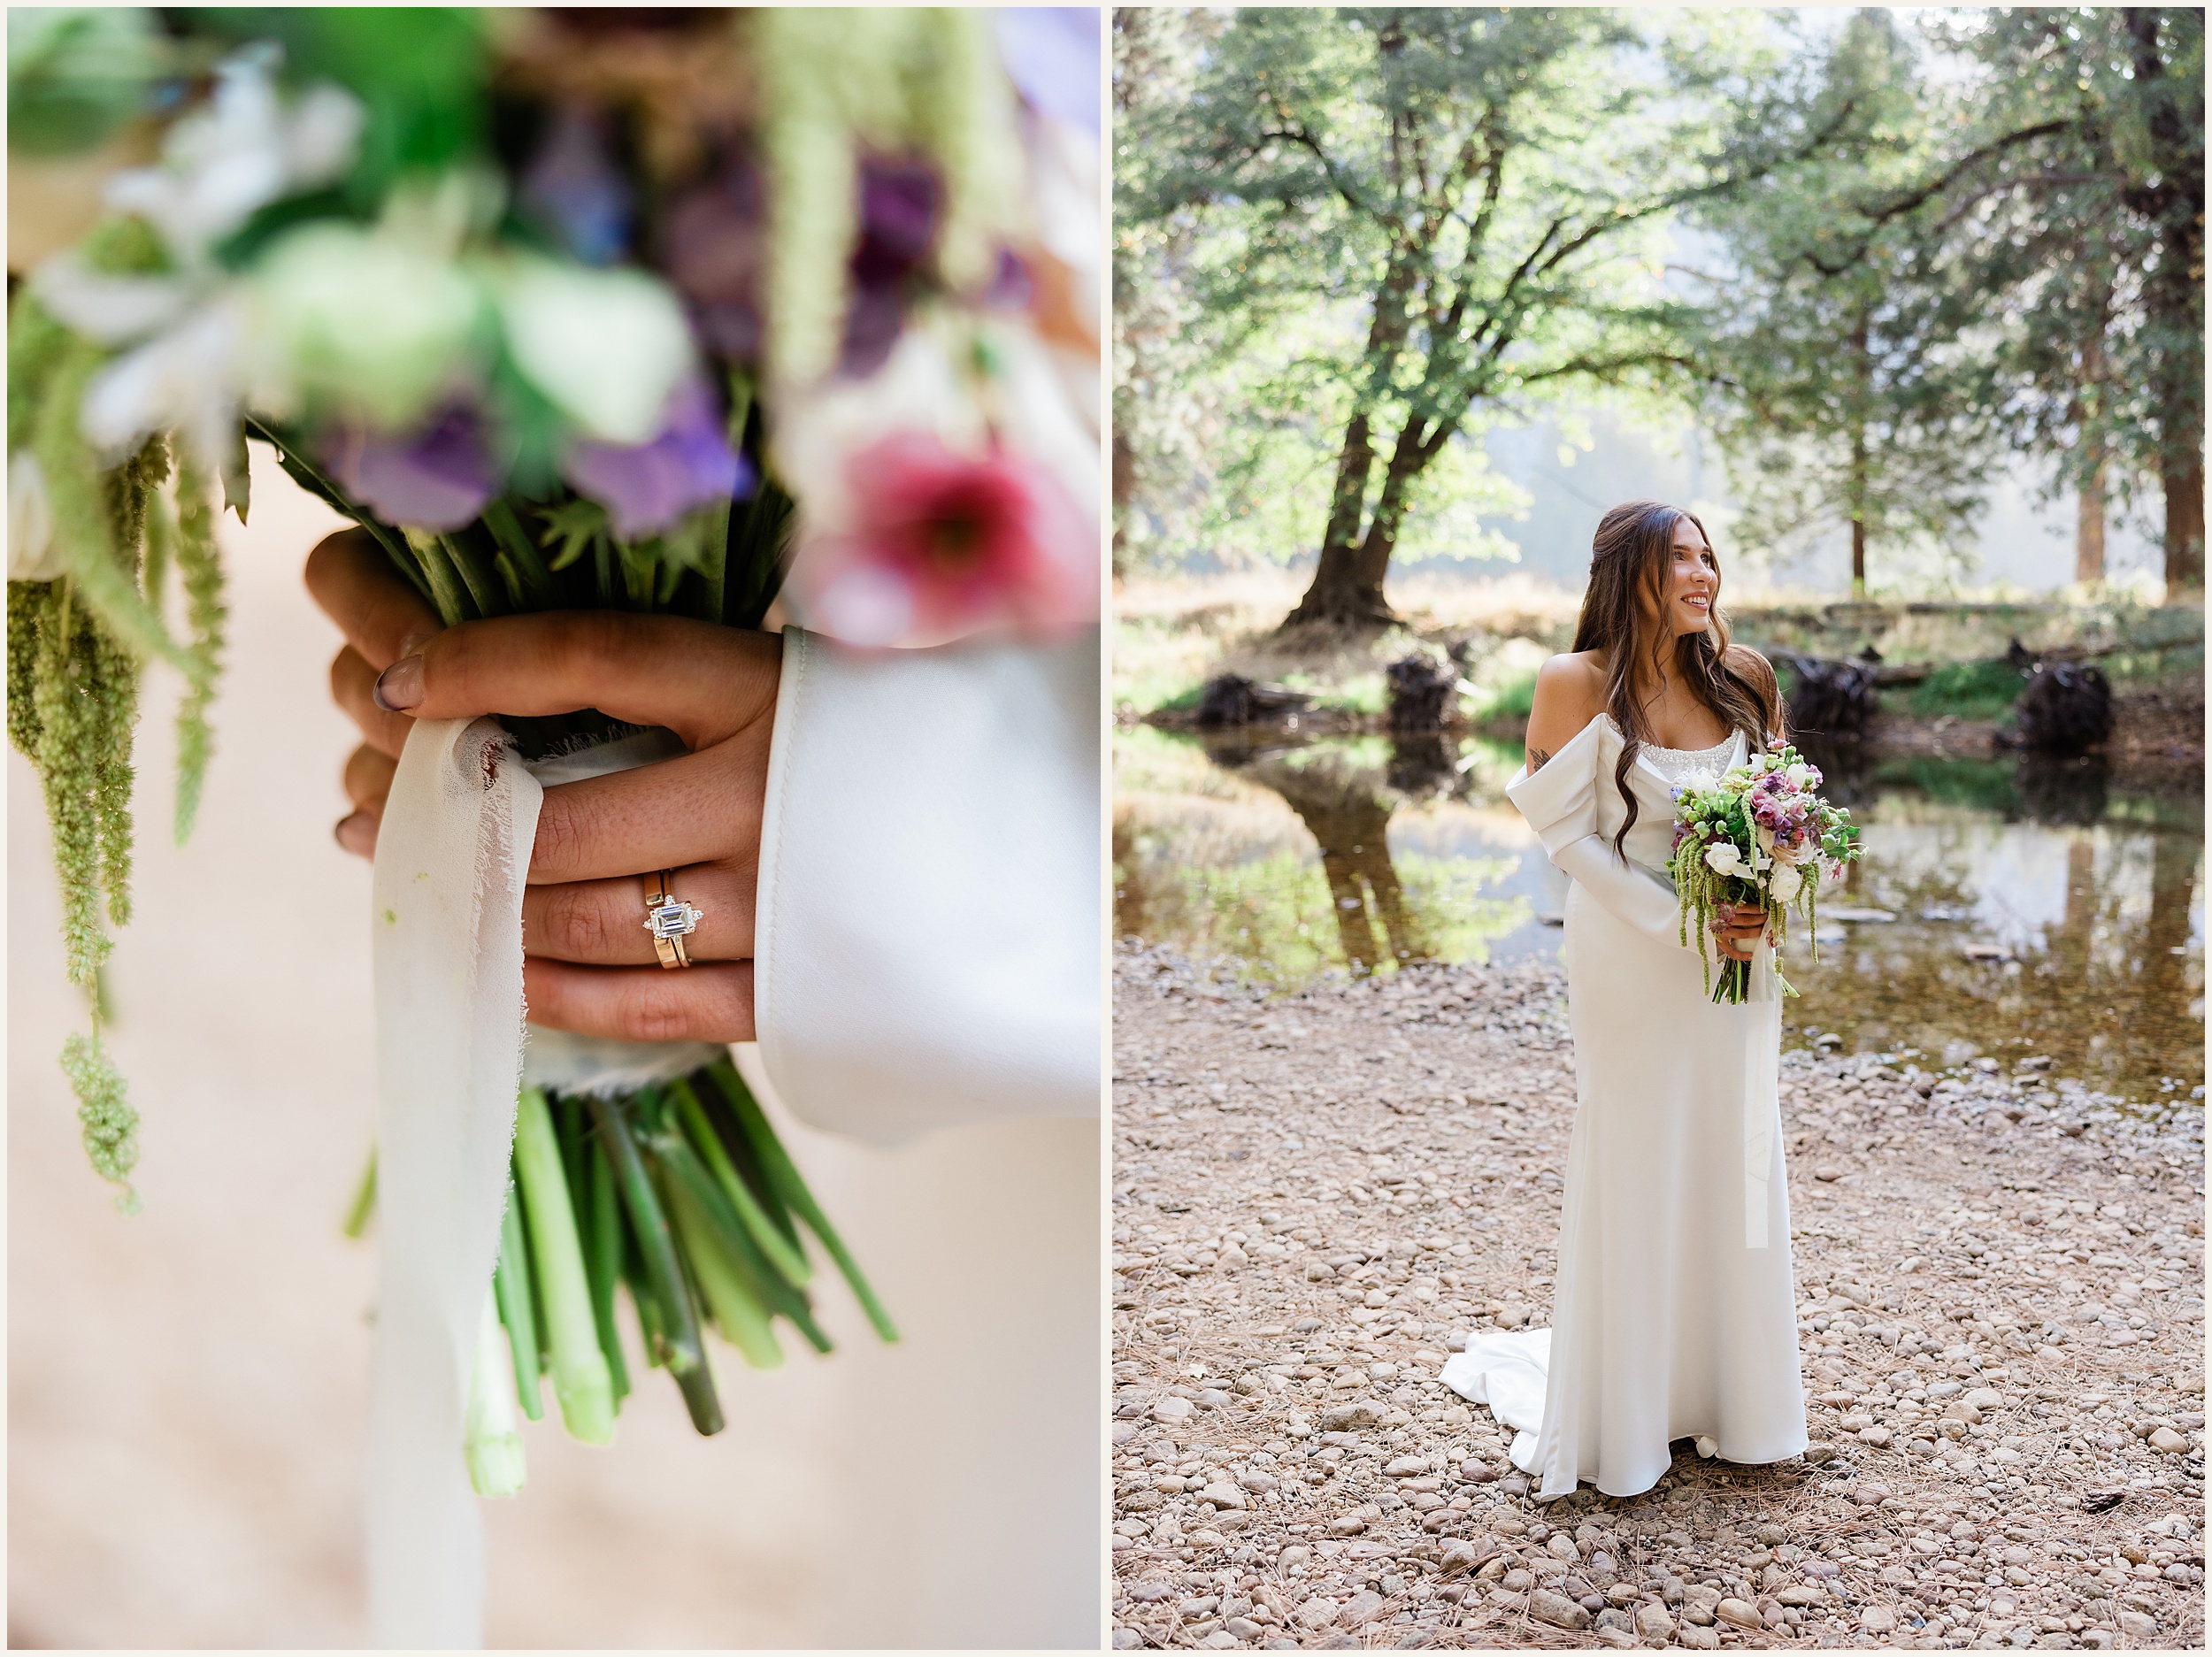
[{"x": 1692, "y": 752}]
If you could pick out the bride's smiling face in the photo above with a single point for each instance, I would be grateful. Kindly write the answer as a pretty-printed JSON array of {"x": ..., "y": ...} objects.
[{"x": 1689, "y": 583}]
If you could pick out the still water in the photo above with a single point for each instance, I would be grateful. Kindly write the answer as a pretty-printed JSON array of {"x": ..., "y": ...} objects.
[{"x": 2003, "y": 908}]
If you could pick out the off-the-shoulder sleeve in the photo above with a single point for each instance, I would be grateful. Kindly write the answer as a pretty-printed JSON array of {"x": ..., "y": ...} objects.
[
  {"x": 1560, "y": 801},
  {"x": 1561, "y": 805}
]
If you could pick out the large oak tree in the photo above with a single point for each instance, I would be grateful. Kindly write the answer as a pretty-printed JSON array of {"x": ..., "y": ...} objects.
[{"x": 1480, "y": 189}]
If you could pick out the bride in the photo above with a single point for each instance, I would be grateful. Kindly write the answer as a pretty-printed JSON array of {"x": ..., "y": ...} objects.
[{"x": 1674, "y": 1311}]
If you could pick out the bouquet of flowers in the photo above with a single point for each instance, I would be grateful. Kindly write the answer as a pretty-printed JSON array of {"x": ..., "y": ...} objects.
[
  {"x": 671, "y": 312},
  {"x": 1759, "y": 833}
]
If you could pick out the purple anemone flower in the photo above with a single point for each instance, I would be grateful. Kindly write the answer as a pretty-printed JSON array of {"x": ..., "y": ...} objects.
[
  {"x": 899, "y": 207},
  {"x": 648, "y": 486},
  {"x": 712, "y": 244},
  {"x": 437, "y": 478}
]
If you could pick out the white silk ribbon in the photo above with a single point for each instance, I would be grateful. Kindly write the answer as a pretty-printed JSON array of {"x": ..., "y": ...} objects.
[
  {"x": 1761, "y": 1091},
  {"x": 452, "y": 853},
  {"x": 452, "y": 858}
]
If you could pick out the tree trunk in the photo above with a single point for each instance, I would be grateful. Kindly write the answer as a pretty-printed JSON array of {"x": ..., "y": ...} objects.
[
  {"x": 1349, "y": 500},
  {"x": 2175, "y": 299},
  {"x": 2089, "y": 527},
  {"x": 2089, "y": 515},
  {"x": 1863, "y": 373},
  {"x": 2182, "y": 476},
  {"x": 1340, "y": 594},
  {"x": 1345, "y": 593},
  {"x": 1407, "y": 460}
]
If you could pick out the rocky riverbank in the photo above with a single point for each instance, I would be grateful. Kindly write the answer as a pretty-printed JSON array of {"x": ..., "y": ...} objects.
[{"x": 1318, "y": 1196}]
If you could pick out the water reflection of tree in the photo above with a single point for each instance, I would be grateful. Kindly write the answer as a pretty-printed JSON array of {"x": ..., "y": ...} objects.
[
  {"x": 1348, "y": 815},
  {"x": 2106, "y": 990},
  {"x": 1130, "y": 908}
]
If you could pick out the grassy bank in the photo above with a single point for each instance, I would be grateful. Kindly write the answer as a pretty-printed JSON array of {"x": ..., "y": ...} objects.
[{"x": 1171, "y": 638}]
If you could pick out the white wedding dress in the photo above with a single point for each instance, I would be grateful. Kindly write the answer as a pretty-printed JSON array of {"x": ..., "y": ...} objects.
[{"x": 1674, "y": 1311}]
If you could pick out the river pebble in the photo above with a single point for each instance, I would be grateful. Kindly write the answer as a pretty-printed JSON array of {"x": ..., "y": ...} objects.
[{"x": 1318, "y": 1196}]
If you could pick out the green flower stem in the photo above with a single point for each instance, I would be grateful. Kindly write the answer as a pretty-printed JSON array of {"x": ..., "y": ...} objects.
[
  {"x": 679, "y": 1335},
  {"x": 475, "y": 574},
  {"x": 743, "y": 1158},
  {"x": 363, "y": 1202},
  {"x": 580, "y": 1378},
  {"x": 446, "y": 592},
  {"x": 720, "y": 1282},
  {"x": 491, "y": 1439},
  {"x": 603, "y": 1258},
  {"x": 537, "y": 580},
  {"x": 793, "y": 1190},
  {"x": 510, "y": 1283},
  {"x": 715, "y": 574},
  {"x": 782, "y": 1253},
  {"x": 775, "y": 1294}
]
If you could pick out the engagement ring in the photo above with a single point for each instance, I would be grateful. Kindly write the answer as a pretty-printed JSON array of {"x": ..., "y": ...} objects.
[{"x": 671, "y": 920}]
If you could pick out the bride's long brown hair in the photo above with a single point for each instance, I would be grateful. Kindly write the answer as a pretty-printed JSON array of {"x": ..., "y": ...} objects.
[{"x": 1629, "y": 556}]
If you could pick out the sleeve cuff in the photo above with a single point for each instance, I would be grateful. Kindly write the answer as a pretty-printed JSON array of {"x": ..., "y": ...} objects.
[{"x": 928, "y": 944}]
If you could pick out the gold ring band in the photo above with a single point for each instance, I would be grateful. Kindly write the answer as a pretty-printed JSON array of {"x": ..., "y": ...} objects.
[{"x": 671, "y": 920}]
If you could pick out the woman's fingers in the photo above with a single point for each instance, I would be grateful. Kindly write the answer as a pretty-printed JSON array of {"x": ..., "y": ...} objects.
[
  {"x": 352, "y": 684},
  {"x": 601, "y": 923},
  {"x": 358, "y": 834},
  {"x": 703, "y": 682},
  {"x": 368, "y": 779},
  {"x": 351, "y": 578},
  {"x": 702, "y": 1003},
  {"x": 698, "y": 808}
]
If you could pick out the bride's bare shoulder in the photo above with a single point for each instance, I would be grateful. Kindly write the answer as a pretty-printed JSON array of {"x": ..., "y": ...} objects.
[{"x": 1570, "y": 693}]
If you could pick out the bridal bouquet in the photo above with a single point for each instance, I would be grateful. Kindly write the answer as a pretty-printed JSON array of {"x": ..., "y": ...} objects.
[
  {"x": 1759, "y": 833},
  {"x": 667, "y": 312}
]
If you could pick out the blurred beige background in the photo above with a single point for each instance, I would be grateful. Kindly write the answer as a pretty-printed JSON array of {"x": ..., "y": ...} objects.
[{"x": 188, "y": 1394}]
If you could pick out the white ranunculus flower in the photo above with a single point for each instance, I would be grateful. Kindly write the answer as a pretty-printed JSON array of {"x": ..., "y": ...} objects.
[
  {"x": 108, "y": 309},
  {"x": 605, "y": 347},
  {"x": 362, "y": 318},
  {"x": 188, "y": 377},
  {"x": 1722, "y": 858},
  {"x": 222, "y": 165},
  {"x": 1785, "y": 883},
  {"x": 1797, "y": 775}
]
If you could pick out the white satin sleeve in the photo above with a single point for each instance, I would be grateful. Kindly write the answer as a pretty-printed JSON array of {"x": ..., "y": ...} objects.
[
  {"x": 1560, "y": 802},
  {"x": 927, "y": 942}
]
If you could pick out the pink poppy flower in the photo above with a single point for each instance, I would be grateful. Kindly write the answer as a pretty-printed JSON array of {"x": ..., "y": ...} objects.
[{"x": 939, "y": 545}]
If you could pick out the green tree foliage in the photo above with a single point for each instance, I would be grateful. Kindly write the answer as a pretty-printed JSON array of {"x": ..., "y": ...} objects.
[
  {"x": 1834, "y": 339},
  {"x": 1395, "y": 222},
  {"x": 2088, "y": 244}
]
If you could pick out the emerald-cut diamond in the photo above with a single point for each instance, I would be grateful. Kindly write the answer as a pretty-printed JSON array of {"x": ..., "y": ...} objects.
[{"x": 672, "y": 919}]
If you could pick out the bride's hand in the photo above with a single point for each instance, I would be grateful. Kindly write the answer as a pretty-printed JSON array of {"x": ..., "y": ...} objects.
[
  {"x": 590, "y": 965},
  {"x": 1738, "y": 928}
]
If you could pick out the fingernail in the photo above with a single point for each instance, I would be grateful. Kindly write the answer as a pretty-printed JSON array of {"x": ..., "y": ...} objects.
[
  {"x": 357, "y": 834},
  {"x": 399, "y": 687}
]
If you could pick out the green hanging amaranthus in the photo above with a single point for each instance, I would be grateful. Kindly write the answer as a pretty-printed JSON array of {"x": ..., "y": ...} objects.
[{"x": 77, "y": 643}]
